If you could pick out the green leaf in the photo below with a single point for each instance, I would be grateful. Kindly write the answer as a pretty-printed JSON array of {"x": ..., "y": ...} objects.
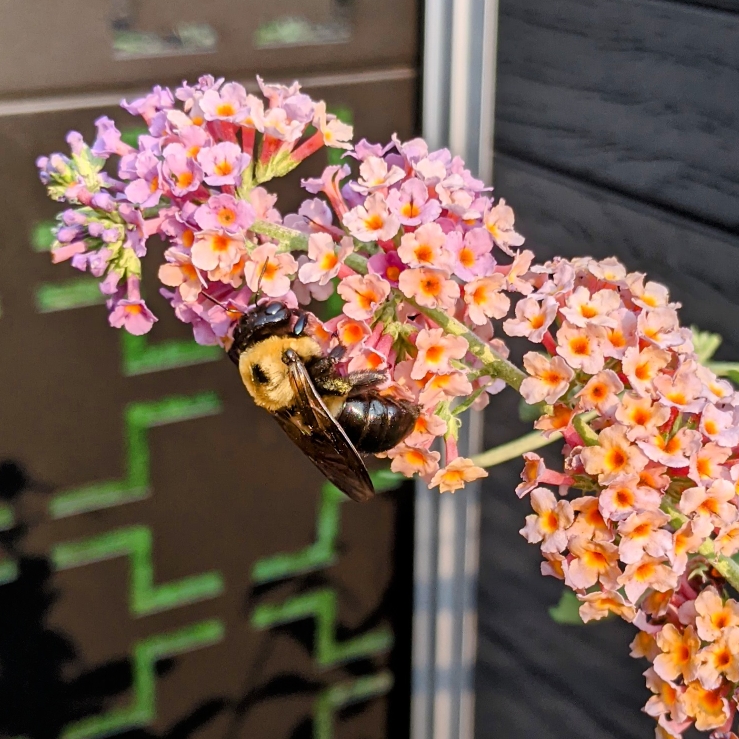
[
  {"x": 733, "y": 375},
  {"x": 567, "y": 611},
  {"x": 705, "y": 343}
]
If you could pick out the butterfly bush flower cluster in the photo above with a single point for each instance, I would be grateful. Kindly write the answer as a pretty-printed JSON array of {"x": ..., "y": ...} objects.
[
  {"x": 398, "y": 231},
  {"x": 642, "y": 521},
  {"x": 656, "y": 471}
]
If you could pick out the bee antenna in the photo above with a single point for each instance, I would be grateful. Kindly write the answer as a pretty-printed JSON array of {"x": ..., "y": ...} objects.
[
  {"x": 255, "y": 296},
  {"x": 222, "y": 305}
]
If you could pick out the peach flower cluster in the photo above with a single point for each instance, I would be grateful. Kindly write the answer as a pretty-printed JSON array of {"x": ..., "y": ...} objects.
[{"x": 654, "y": 477}]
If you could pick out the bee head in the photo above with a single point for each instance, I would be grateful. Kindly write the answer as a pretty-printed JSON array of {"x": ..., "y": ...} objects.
[{"x": 268, "y": 319}]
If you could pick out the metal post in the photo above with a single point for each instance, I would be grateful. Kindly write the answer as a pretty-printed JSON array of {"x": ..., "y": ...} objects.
[{"x": 458, "y": 112}]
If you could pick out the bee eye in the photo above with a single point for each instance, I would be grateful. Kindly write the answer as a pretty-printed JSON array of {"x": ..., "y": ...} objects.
[{"x": 258, "y": 374}]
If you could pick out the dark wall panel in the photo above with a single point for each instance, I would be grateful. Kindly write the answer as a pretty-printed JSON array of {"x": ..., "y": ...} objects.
[{"x": 639, "y": 95}]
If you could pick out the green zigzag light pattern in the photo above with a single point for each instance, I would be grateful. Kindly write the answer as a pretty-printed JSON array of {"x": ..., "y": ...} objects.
[
  {"x": 8, "y": 568},
  {"x": 136, "y": 542},
  {"x": 322, "y": 605},
  {"x": 140, "y": 357},
  {"x": 322, "y": 553},
  {"x": 139, "y": 418},
  {"x": 77, "y": 292},
  {"x": 146, "y": 653},
  {"x": 344, "y": 694}
]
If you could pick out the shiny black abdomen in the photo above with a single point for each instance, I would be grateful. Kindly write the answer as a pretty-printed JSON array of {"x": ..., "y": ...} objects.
[{"x": 375, "y": 423}]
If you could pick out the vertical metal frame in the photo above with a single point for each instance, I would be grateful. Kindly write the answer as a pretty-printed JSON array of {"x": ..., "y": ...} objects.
[{"x": 460, "y": 39}]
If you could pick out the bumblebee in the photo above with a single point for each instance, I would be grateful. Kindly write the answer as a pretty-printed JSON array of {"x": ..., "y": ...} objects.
[{"x": 331, "y": 418}]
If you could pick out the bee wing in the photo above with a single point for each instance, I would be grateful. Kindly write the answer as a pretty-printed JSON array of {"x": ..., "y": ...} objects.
[{"x": 321, "y": 438}]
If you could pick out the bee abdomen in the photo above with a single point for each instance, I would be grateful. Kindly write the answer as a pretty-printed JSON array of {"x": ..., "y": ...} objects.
[{"x": 376, "y": 423}]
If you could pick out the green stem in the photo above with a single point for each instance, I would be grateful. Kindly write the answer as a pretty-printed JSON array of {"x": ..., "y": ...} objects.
[
  {"x": 495, "y": 364},
  {"x": 514, "y": 449},
  {"x": 723, "y": 368},
  {"x": 580, "y": 424}
]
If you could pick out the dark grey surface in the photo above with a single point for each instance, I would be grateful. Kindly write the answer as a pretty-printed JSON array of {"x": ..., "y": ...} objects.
[{"x": 638, "y": 95}]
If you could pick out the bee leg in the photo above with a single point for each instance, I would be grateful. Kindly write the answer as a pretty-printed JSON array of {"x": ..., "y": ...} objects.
[
  {"x": 300, "y": 323},
  {"x": 327, "y": 380},
  {"x": 363, "y": 380}
]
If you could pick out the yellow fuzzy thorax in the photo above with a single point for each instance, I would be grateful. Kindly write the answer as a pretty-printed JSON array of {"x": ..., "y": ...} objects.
[{"x": 277, "y": 393}]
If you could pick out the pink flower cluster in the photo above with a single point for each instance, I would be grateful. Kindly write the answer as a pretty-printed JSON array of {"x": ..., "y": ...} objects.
[
  {"x": 194, "y": 180},
  {"x": 658, "y": 468},
  {"x": 398, "y": 231}
]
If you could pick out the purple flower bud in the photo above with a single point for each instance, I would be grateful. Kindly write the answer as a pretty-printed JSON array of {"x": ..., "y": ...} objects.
[{"x": 76, "y": 142}]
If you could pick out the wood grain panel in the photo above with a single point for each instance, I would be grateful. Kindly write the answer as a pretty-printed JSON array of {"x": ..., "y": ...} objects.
[{"x": 638, "y": 95}]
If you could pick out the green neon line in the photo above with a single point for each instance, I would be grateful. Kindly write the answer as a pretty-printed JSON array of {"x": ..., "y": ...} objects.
[
  {"x": 140, "y": 357},
  {"x": 7, "y": 517},
  {"x": 42, "y": 235},
  {"x": 136, "y": 542},
  {"x": 138, "y": 419},
  {"x": 78, "y": 292},
  {"x": 8, "y": 571},
  {"x": 322, "y": 553},
  {"x": 344, "y": 694},
  {"x": 322, "y": 606},
  {"x": 146, "y": 654}
]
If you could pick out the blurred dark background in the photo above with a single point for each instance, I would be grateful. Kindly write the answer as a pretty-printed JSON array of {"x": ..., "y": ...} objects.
[{"x": 141, "y": 583}]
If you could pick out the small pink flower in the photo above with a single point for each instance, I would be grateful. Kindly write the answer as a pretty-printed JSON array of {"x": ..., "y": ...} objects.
[
  {"x": 213, "y": 249},
  {"x": 179, "y": 171},
  {"x": 372, "y": 221},
  {"x": 614, "y": 455},
  {"x": 719, "y": 426},
  {"x": 351, "y": 332},
  {"x": 410, "y": 460},
  {"x": 651, "y": 295},
  {"x": 133, "y": 315},
  {"x": 641, "y": 367},
  {"x": 643, "y": 533},
  {"x": 550, "y": 522},
  {"x": 429, "y": 287},
  {"x": 456, "y": 474},
  {"x": 625, "y": 496},
  {"x": 223, "y": 164},
  {"x": 550, "y": 378},
  {"x": 582, "y": 348},
  {"x": 601, "y": 393},
  {"x": 706, "y": 463},
  {"x": 593, "y": 561},
  {"x": 674, "y": 451},
  {"x": 435, "y": 352},
  {"x": 660, "y": 327},
  {"x": 533, "y": 318},
  {"x": 710, "y": 507},
  {"x": 485, "y": 300},
  {"x": 621, "y": 336},
  {"x": 443, "y": 386},
  {"x": 681, "y": 390},
  {"x": 269, "y": 272},
  {"x": 362, "y": 295},
  {"x": 374, "y": 174},
  {"x": 411, "y": 203},
  {"x": 325, "y": 259},
  {"x": 599, "y": 604},
  {"x": 224, "y": 212},
  {"x": 471, "y": 253},
  {"x": 499, "y": 222},
  {"x": 226, "y": 104},
  {"x": 641, "y": 415},
  {"x": 424, "y": 247},
  {"x": 713, "y": 615},
  {"x": 336, "y": 133},
  {"x": 583, "y": 309},
  {"x": 179, "y": 272},
  {"x": 517, "y": 269},
  {"x": 427, "y": 428},
  {"x": 648, "y": 572}
]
